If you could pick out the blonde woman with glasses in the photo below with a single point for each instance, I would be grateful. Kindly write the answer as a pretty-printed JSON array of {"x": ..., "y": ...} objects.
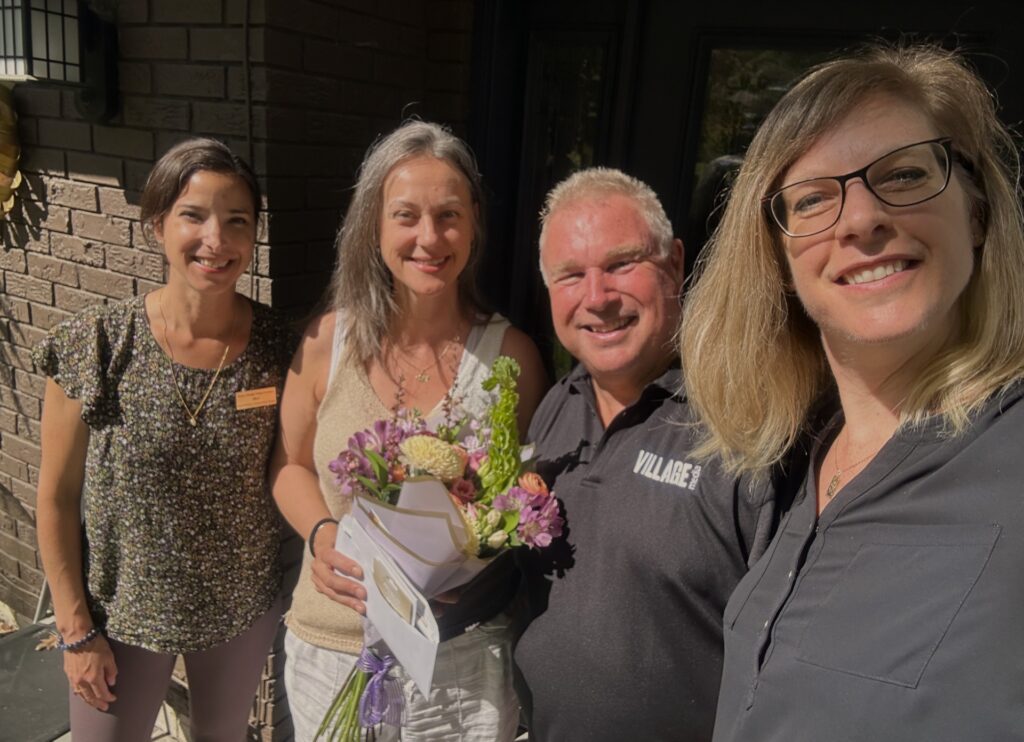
[{"x": 863, "y": 302}]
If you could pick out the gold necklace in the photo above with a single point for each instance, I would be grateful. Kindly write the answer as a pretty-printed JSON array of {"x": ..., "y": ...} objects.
[
  {"x": 193, "y": 415},
  {"x": 421, "y": 374},
  {"x": 837, "y": 470}
]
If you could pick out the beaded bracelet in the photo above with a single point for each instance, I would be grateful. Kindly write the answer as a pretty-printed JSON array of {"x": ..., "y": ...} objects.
[
  {"x": 69, "y": 646},
  {"x": 312, "y": 534}
]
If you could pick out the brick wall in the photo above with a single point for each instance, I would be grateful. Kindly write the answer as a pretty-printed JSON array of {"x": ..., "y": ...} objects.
[{"x": 303, "y": 95}]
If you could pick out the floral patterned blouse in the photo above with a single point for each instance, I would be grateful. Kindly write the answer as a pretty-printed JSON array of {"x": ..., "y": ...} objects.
[{"x": 181, "y": 536}]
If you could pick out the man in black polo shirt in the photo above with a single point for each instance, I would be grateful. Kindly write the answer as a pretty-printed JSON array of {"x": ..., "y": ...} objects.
[{"x": 625, "y": 641}]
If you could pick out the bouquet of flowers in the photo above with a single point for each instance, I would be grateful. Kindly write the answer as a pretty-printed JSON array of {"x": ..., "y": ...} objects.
[{"x": 480, "y": 465}]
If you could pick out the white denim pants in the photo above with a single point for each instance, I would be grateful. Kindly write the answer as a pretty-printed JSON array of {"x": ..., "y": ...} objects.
[{"x": 471, "y": 700}]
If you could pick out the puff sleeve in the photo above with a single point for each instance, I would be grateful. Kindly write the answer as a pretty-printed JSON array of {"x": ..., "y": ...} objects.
[{"x": 76, "y": 354}]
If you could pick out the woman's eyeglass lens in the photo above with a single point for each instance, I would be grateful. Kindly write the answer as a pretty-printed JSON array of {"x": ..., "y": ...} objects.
[{"x": 907, "y": 176}]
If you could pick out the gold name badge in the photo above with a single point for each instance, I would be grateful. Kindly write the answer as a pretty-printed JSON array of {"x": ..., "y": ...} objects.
[{"x": 250, "y": 398}]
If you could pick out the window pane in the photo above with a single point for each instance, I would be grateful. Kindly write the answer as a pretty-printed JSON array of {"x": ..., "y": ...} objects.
[
  {"x": 38, "y": 35},
  {"x": 56, "y": 71},
  {"x": 19, "y": 47},
  {"x": 71, "y": 40},
  {"x": 54, "y": 6},
  {"x": 39, "y": 4},
  {"x": 71, "y": 7},
  {"x": 73, "y": 73},
  {"x": 56, "y": 38}
]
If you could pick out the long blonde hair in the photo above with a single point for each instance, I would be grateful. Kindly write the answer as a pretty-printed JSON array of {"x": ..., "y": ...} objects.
[
  {"x": 362, "y": 286},
  {"x": 753, "y": 360}
]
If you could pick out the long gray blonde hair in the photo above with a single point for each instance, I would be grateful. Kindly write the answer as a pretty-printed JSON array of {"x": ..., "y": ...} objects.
[
  {"x": 753, "y": 361},
  {"x": 362, "y": 287}
]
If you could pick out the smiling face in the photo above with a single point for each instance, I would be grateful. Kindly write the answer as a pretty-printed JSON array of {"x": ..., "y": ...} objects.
[
  {"x": 426, "y": 231},
  {"x": 882, "y": 273},
  {"x": 614, "y": 305},
  {"x": 209, "y": 232}
]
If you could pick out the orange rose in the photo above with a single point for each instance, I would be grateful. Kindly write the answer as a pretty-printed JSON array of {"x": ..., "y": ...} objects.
[
  {"x": 532, "y": 483},
  {"x": 397, "y": 473}
]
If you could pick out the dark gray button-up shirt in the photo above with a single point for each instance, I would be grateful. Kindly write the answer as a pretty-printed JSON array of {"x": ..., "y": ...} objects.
[{"x": 898, "y": 614}]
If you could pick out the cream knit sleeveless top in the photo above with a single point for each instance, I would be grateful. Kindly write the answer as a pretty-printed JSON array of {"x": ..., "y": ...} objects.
[{"x": 349, "y": 405}]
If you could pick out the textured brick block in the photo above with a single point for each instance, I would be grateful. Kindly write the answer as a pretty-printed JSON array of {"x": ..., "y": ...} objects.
[
  {"x": 45, "y": 317},
  {"x": 30, "y": 429},
  {"x": 117, "y": 202},
  {"x": 74, "y": 300},
  {"x": 29, "y": 383},
  {"x": 452, "y": 77},
  {"x": 75, "y": 195},
  {"x": 144, "y": 287},
  {"x": 65, "y": 134},
  {"x": 234, "y": 13},
  {"x": 96, "y": 168},
  {"x": 219, "y": 118},
  {"x": 216, "y": 44},
  {"x": 135, "y": 173},
  {"x": 449, "y": 47},
  {"x": 69, "y": 106},
  {"x": 101, "y": 227},
  {"x": 191, "y": 80},
  {"x": 8, "y": 421},
  {"x": 396, "y": 70},
  {"x": 108, "y": 284},
  {"x": 29, "y": 221},
  {"x": 305, "y": 16},
  {"x": 21, "y": 403},
  {"x": 337, "y": 59},
  {"x": 135, "y": 262},
  {"x": 43, "y": 160},
  {"x": 37, "y": 99},
  {"x": 25, "y": 491},
  {"x": 17, "y": 354},
  {"x": 153, "y": 43},
  {"x": 31, "y": 576},
  {"x": 52, "y": 269},
  {"x": 18, "y": 550},
  {"x": 134, "y": 77},
  {"x": 132, "y": 11},
  {"x": 12, "y": 259},
  {"x": 13, "y": 466},
  {"x": 123, "y": 142},
  {"x": 187, "y": 11},
  {"x": 454, "y": 15},
  {"x": 77, "y": 250},
  {"x": 277, "y": 47},
  {"x": 13, "y": 308},
  {"x": 155, "y": 113},
  {"x": 28, "y": 132},
  {"x": 29, "y": 288},
  {"x": 20, "y": 449}
]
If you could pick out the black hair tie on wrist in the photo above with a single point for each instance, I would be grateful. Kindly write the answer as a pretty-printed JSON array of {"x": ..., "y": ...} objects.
[{"x": 316, "y": 527}]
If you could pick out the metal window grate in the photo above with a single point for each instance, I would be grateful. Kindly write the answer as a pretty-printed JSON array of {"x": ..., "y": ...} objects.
[{"x": 39, "y": 38}]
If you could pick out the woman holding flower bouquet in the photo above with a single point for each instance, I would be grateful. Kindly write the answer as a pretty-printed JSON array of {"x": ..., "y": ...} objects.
[{"x": 405, "y": 332}]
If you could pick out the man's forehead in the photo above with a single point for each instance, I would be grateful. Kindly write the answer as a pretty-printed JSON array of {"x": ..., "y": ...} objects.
[
  {"x": 591, "y": 229},
  {"x": 602, "y": 256}
]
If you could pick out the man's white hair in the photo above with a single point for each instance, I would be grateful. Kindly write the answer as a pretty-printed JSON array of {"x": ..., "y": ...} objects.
[{"x": 596, "y": 182}]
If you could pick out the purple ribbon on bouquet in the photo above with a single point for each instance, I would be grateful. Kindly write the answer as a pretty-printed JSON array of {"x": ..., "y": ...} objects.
[{"x": 382, "y": 698}]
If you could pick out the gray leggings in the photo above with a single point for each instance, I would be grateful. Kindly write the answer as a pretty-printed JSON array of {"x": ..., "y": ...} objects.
[{"x": 222, "y": 683}]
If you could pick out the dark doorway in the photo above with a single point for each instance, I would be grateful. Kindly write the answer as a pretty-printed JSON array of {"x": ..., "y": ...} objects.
[{"x": 665, "y": 90}]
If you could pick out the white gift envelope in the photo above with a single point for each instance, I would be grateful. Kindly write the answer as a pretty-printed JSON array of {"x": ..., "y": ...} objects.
[
  {"x": 426, "y": 541},
  {"x": 399, "y": 613}
]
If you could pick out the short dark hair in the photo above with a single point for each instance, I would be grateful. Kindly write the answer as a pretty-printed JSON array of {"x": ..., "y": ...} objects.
[{"x": 171, "y": 173}]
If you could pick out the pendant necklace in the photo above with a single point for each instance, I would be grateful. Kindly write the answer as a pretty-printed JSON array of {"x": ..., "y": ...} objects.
[
  {"x": 421, "y": 374},
  {"x": 837, "y": 470},
  {"x": 193, "y": 415}
]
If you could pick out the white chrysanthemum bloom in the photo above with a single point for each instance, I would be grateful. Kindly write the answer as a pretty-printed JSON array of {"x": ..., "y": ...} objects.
[
  {"x": 434, "y": 456},
  {"x": 493, "y": 518}
]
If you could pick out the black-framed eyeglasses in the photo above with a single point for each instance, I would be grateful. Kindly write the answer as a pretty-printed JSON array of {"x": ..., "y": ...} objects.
[{"x": 906, "y": 176}]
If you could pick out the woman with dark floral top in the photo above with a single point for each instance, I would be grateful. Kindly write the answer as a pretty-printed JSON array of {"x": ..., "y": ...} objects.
[{"x": 158, "y": 418}]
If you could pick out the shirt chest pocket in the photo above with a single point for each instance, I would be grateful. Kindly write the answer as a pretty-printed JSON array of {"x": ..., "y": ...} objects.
[{"x": 896, "y": 600}]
